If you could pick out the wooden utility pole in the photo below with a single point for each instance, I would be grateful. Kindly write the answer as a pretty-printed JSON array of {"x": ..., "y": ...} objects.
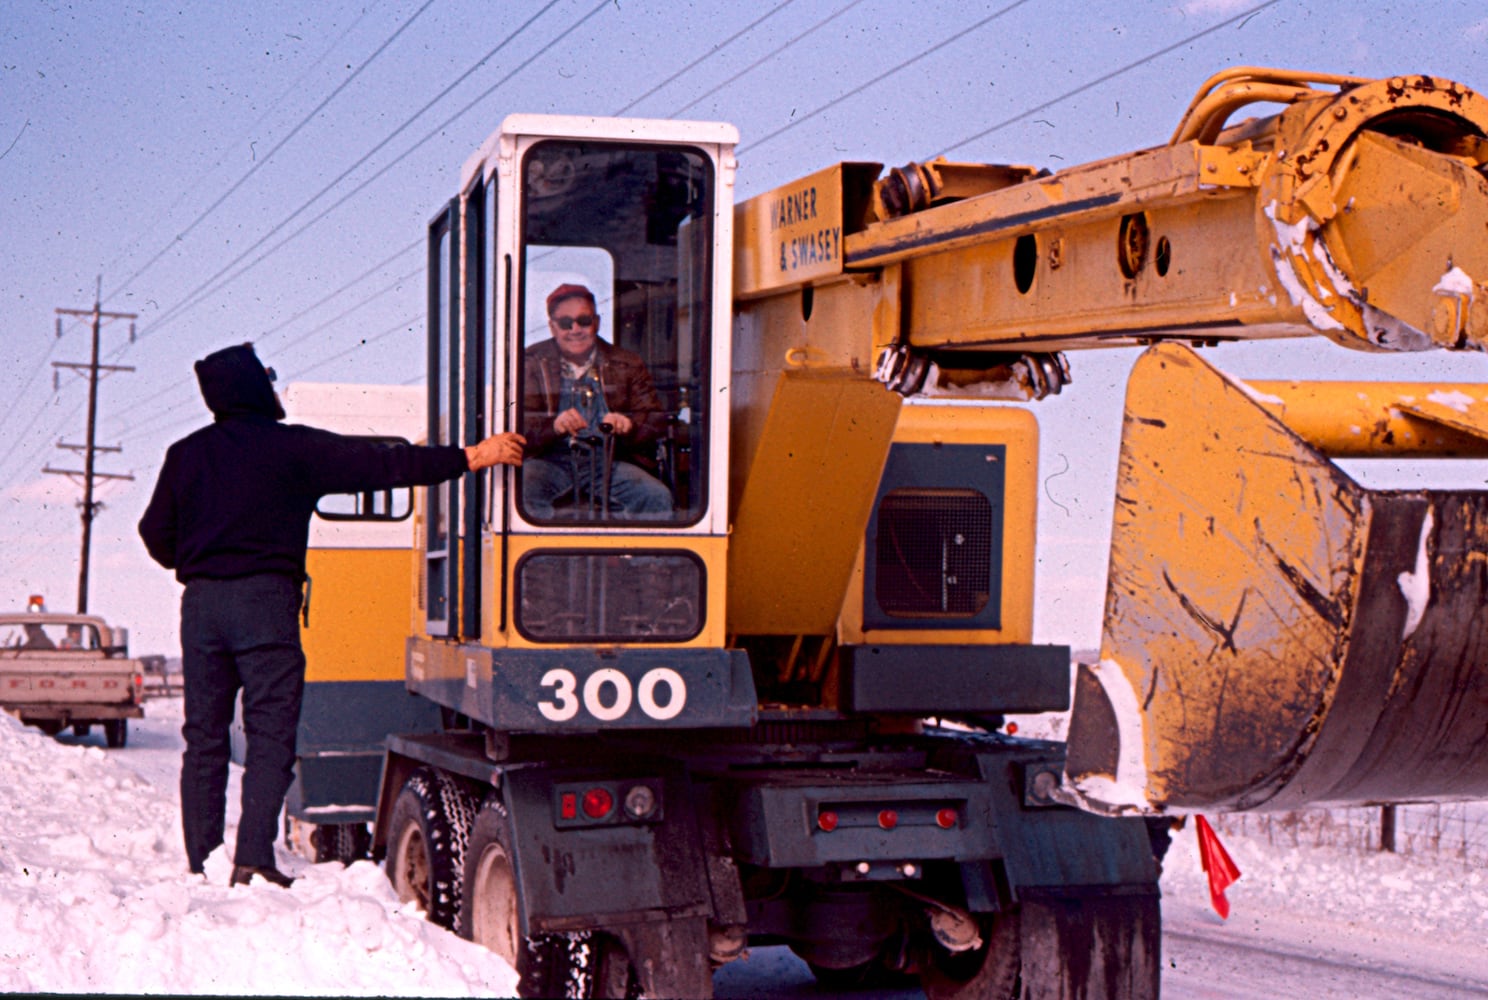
[{"x": 90, "y": 448}]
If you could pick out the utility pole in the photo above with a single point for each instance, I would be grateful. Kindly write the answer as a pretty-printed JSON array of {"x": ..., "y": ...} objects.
[{"x": 90, "y": 448}]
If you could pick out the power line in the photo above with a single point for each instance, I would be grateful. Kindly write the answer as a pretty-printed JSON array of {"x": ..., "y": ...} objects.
[
  {"x": 710, "y": 53},
  {"x": 764, "y": 59},
  {"x": 293, "y": 88},
  {"x": 956, "y": 37},
  {"x": 16, "y": 439},
  {"x": 259, "y": 164},
  {"x": 186, "y": 380},
  {"x": 1112, "y": 75},
  {"x": 202, "y": 290},
  {"x": 135, "y": 430},
  {"x": 402, "y": 324}
]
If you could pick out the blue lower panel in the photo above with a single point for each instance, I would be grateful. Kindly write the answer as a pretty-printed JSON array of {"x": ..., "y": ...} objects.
[
  {"x": 574, "y": 878},
  {"x": 950, "y": 679},
  {"x": 343, "y": 729},
  {"x": 585, "y": 690}
]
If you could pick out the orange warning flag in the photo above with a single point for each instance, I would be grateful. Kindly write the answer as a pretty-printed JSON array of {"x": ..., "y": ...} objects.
[{"x": 1217, "y": 865}]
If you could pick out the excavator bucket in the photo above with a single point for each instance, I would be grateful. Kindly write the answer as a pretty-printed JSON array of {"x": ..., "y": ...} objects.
[{"x": 1276, "y": 634}]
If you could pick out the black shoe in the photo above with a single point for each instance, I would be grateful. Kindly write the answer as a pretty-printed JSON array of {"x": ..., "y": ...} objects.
[{"x": 243, "y": 874}]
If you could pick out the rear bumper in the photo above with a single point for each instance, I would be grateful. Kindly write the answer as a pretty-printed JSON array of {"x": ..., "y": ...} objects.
[{"x": 71, "y": 713}]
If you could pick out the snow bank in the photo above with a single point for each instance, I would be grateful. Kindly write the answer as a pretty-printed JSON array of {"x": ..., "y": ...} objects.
[{"x": 95, "y": 897}]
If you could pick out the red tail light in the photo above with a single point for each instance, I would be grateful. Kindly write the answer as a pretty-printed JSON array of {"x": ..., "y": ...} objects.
[
  {"x": 598, "y": 802},
  {"x": 888, "y": 819},
  {"x": 947, "y": 818},
  {"x": 826, "y": 820}
]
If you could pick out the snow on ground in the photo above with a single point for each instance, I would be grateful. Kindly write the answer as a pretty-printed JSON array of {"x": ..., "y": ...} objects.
[
  {"x": 1416, "y": 922},
  {"x": 95, "y": 896}
]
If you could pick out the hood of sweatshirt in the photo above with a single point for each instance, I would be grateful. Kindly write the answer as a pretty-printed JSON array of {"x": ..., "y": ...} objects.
[{"x": 235, "y": 384}]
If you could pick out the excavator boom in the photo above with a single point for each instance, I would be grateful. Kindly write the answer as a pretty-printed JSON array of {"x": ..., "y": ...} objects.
[{"x": 1275, "y": 632}]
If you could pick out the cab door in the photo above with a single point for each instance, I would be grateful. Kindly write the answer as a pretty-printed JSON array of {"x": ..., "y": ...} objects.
[{"x": 620, "y": 230}]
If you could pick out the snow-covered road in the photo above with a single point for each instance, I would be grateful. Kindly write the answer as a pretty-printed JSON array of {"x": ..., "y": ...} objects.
[{"x": 94, "y": 897}]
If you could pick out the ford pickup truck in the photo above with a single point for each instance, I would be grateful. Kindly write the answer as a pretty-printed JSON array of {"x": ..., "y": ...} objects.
[{"x": 60, "y": 670}]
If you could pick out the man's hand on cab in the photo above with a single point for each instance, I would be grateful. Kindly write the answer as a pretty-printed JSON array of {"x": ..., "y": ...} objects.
[{"x": 498, "y": 449}]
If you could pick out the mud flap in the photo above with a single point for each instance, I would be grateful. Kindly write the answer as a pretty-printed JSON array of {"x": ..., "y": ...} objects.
[
  {"x": 670, "y": 958},
  {"x": 1086, "y": 946}
]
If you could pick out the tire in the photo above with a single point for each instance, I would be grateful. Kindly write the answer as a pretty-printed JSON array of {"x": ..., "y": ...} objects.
[
  {"x": 343, "y": 842},
  {"x": 560, "y": 965},
  {"x": 428, "y": 829},
  {"x": 990, "y": 972},
  {"x": 49, "y": 726},
  {"x": 81, "y": 729},
  {"x": 1095, "y": 944},
  {"x": 116, "y": 732}
]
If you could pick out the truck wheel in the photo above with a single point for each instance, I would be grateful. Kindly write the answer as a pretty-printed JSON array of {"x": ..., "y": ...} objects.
[
  {"x": 426, "y": 844},
  {"x": 49, "y": 726},
  {"x": 81, "y": 729},
  {"x": 116, "y": 732},
  {"x": 1096, "y": 944},
  {"x": 989, "y": 972},
  {"x": 567, "y": 965},
  {"x": 343, "y": 842},
  {"x": 490, "y": 910}
]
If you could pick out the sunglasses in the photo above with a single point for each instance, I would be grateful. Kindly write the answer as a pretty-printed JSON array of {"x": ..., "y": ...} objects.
[{"x": 567, "y": 322}]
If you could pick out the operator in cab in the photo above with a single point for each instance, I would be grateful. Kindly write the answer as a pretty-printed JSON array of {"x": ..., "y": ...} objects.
[
  {"x": 231, "y": 515},
  {"x": 591, "y": 417}
]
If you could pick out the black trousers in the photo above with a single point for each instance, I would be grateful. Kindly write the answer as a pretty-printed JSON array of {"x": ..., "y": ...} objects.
[{"x": 237, "y": 634}]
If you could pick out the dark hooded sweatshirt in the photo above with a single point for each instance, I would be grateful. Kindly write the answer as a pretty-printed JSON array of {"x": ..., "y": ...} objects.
[{"x": 235, "y": 498}]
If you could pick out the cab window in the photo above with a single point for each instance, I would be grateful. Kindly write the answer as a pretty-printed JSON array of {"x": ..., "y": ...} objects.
[{"x": 614, "y": 340}]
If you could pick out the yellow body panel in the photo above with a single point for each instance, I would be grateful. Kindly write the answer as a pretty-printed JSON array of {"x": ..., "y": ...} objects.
[
  {"x": 806, "y": 502},
  {"x": 794, "y": 234},
  {"x": 359, "y": 606},
  {"x": 1017, "y": 430}
]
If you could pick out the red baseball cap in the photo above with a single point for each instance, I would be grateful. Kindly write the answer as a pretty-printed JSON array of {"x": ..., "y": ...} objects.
[{"x": 562, "y": 292}]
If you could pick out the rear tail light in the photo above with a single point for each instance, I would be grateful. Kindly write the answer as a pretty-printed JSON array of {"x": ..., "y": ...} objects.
[
  {"x": 598, "y": 802},
  {"x": 605, "y": 802}
]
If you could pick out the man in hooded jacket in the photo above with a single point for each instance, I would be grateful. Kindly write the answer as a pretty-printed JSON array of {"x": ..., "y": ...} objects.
[{"x": 231, "y": 515}]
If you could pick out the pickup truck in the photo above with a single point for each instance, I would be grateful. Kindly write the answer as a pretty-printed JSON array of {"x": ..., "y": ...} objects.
[{"x": 59, "y": 670}]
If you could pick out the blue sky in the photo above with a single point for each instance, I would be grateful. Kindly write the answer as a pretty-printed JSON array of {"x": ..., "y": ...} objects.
[{"x": 266, "y": 173}]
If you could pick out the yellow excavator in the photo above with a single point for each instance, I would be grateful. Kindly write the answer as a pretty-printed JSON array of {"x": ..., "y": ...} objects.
[{"x": 772, "y": 710}]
